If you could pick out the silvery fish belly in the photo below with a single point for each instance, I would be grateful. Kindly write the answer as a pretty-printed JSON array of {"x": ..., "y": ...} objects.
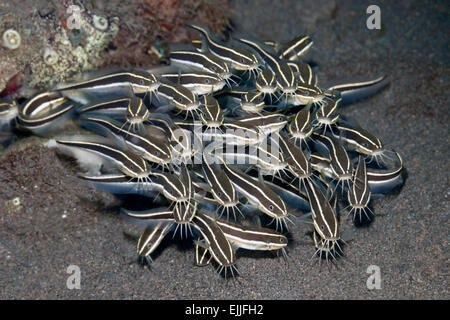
[{"x": 235, "y": 143}]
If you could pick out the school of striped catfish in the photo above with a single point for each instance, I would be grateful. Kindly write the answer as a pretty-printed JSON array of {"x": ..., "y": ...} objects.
[{"x": 235, "y": 141}]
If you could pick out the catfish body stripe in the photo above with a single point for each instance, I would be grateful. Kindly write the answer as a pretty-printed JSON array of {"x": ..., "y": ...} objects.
[
  {"x": 201, "y": 60},
  {"x": 338, "y": 155},
  {"x": 281, "y": 70},
  {"x": 176, "y": 92},
  {"x": 33, "y": 122},
  {"x": 295, "y": 157},
  {"x": 220, "y": 248},
  {"x": 109, "y": 152},
  {"x": 219, "y": 182},
  {"x": 297, "y": 47},
  {"x": 355, "y": 85},
  {"x": 146, "y": 145},
  {"x": 324, "y": 218},
  {"x": 118, "y": 104},
  {"x": 251, "y": 237},
  {"x": 188, "y": 78},
  {"x": 121, "y": 78},
  {"x": 302, "y": 120},
  {"x": 257, "y": 192},
  {"x": 152, "y": 237},
  {"x": 161, "y": 214},
  {"x": 235, "y": 56},
  {"x": 359, "y": 194}
]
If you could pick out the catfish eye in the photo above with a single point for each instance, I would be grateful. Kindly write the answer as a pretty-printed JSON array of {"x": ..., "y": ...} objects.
[
  {"x": 141, "y": 81},
  {"x": 156, "y": 153},
  {"x": 365, "y": 144},
  {"x": 180, "y": 100},
  {"x": 206, "y": 81},
  {"x": 281, "y": 240},
  {"x": 322, "y": 227},
  {"x": 280, "y": 118},
  {"x": 242, "y": 60},
  {"x": 213, "y": 68},
  {"x": 306, "y": 93},
  {"x": 219, "y": 194},
  {"x": 271, "y": 207}
]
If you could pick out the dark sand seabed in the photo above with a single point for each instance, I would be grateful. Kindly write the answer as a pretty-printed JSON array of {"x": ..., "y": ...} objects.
[{"x": 409, "y": 243}]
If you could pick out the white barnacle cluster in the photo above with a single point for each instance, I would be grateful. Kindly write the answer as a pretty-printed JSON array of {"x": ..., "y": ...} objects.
[
  {"x": 11, "y": 39},
  {"x": 226, "y": 142}
]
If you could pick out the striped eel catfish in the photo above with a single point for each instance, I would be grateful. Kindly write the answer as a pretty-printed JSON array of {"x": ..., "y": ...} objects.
[
  {"x": 137, "y": 114},
  {"x": 245, "y": 237},
  {"x": 362, "y": 141},
  {"x": 269, "y": 161},
  {"x": 188, "y": 60},
  {"x": 353, "y": 91},
  {"x": 298, "y": 163},
  {"x": 45, "y": 113},
  {"x": 323, "y": 215},
  {"x": 300, "y": 127},
  {"x": 306, "y": 94},
  {"x": 215, "y": 241},
  {"x": 259, "y": 195},
  {"x": 150, "y": 239},
  {"x": 242, "y": 101},
  {"x": 326, "y": 250},
  {"x": 266, "y": 83},
  {"x": 221, "y": 188},
  {"x": 92, "y": 152},
  {"x": 109, "y": 106},
  {"x": 285, "y": 76},
  {"x": 341, "y": 166},
  {"x": 211, "y": 114},
  {"x": 327, "y": 114},
  {"x": 238, "y": 58},
  {"x": 198, "y": 82},
  {"x": 182, "y": 98},
  {"x": 267, "y": 123},
  {"x": 111, "y": 86},
  {"x": 180, "y": 139},
  {"x": 119, "y": 183},
  {"x": 358, "y": 195},
  {"x": 152, "y": 149}
]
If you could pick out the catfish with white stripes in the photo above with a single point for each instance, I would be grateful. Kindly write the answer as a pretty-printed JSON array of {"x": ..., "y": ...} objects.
[
  {"x": 198, "y": 82},
  {"x": 259, "y": 195},
  {"x": 215, "y": 241},
  {"x": 238, "y": 58},
  {"x": 95, "y": 153},
  {"x": 45, "y": 113},
  {"x": 323, "y": 214},
  {"x": 221, "y": 188},
  {"x": 285, "y": 76},
  {"x": 153, "y": 149},
  {"x": 300, "y": 127},
  {"x": 189, "y": 60},
  {"x": 358, "y": 195},
  {"x": 266, "y": 83},
  {"x": 111, "y": 86},
  {"x": 246, "y": 237}
]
